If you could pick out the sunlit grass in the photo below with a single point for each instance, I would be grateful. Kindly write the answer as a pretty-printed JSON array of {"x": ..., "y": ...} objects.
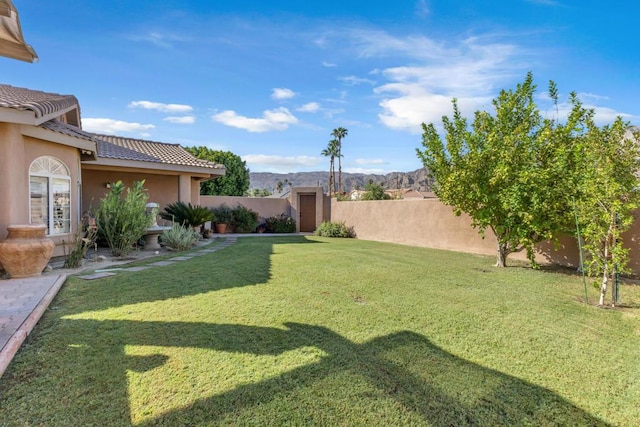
[{"x": 311, "y": 331}]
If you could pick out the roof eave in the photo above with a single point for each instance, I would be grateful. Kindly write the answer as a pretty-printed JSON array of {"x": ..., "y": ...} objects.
[
  {"x": 87, "y": 148},
  {"x": 159, "y": 167}
]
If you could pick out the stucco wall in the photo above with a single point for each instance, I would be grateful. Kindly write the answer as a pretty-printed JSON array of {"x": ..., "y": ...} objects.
[
  {"x": 429, "y": 223},
  {"x": 265, "y": 206},
  {"x": 162, "y": 189},
  {"x": 19, "y": 153}
]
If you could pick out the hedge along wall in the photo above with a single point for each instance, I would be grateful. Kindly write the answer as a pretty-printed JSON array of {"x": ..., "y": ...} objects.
[
  {"x": 430, "y": 223},
  {"x": 265, "y": 206}
]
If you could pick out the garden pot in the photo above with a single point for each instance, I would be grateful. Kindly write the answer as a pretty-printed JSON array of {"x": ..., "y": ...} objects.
[
  {"x": 221, "y": 228},
  {"x": 26, "y": 251}
]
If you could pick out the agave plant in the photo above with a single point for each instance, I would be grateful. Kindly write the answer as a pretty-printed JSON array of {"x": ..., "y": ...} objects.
[{"x": 186, "y": 214}]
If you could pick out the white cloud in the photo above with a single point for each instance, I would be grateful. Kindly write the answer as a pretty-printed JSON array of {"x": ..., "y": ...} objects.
[
  {"x": 353, "y": 80},
  {"x": 363, "y": 162},
  {"x": 112, "y": 127},
  {"x": 282, "y": 93},
  {"x": 366, "y": 171},
  {"x": 276, "y": 119},
  {"x": 181, "y": 120},
  {"x": 280, "y": 163},
  {"x": 163, "y": 40},
  {"x": 470, "y": 70},
  {"x": 165, "y": 108},
  {"x": 422, "y": 9},
  {"x": 328, "y": 64},
  {"x": 311, "y": 107}
]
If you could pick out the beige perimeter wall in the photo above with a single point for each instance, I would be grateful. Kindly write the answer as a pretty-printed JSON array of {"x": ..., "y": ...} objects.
[
  {"x": 429, "y": 223},
  {"x": 265, "y": 206}
]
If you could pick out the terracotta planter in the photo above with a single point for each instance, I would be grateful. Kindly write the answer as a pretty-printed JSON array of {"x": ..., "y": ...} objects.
[
  {"x": 26, "y": 251},
  {"x": 221, "y": 228}
]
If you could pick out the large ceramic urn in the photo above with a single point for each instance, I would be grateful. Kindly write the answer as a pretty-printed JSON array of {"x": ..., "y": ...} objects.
[{"x": 26, "y": 251}]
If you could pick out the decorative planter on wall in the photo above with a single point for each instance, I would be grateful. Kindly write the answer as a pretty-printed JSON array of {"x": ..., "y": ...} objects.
[{"x": 26, "y": 251}]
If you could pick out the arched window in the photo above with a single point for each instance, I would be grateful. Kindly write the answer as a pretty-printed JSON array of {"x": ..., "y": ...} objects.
[{"x": 50, "y": 195}]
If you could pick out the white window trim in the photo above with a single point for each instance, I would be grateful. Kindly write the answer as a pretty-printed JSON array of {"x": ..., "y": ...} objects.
[{"x": 46, "y": 173}]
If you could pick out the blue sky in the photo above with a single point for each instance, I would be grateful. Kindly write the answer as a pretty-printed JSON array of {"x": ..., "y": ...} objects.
[{"x": 269, "y": 80}]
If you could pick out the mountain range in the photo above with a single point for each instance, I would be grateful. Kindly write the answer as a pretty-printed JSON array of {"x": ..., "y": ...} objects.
[{"x": 416, "y": 180}]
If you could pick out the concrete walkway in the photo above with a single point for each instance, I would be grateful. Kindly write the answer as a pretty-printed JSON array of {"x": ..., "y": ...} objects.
[{"x": 24, "y": 301}]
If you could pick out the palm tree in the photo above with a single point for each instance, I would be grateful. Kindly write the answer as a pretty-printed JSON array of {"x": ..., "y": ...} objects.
[
  {"x": 338, "y": 134},
  {"x": 331, "y": 151}
]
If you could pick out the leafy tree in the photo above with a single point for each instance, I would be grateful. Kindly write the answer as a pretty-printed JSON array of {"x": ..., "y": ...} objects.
[
  {"x": 331, "y": 151},
  {"x": 338, "y": 134},
  {"x": 512, "y": 172},
  {"x": 258, "y": 192},
  {"x": 235, "y": 182},
  {"x": 608, "y": 193},
  {"x": 374, "y": 191}
]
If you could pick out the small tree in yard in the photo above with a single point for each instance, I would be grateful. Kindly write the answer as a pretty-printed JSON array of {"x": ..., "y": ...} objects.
[
  {"x": 508, "y": 170},
  {"x": 608, "y": 193},
  {"x": 121, "y": 217}
]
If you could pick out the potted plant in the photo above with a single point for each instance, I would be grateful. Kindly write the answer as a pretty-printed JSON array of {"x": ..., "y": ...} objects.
[{"x": 222, "y": 217}]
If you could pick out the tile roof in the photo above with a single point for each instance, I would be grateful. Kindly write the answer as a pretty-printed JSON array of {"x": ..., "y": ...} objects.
[
  {"x": 117, "y": 147},
  {"x": 66, "y": 129},
  {"x": 41, "y": 103}
]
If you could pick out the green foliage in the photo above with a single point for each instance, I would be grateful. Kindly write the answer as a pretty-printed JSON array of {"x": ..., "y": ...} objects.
[
  {"x": 512, "y": 172},
  {"x": 235, "y": 182},
  {"x": 186, "y": 214},
  {"x": 608, "y": 192},
  {"x": 258, "y": 192},
  {"x": 334, "y": 229},
  {"x": 222, "y": 214},
  {"x": 244, "y": 220},
  {"x": 179, "y": 237},
  {"x": 374, "y": 192},
  {"x": 121, "y": 217},
  {"x": 280, "y": 224}
]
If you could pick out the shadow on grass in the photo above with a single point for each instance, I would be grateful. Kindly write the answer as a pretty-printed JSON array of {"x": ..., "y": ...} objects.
[
  {"x": 246, "y": 262},
  {"x": 424, "y": 383}
]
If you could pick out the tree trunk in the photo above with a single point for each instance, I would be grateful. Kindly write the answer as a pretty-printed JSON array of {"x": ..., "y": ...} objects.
[
  {"x": 503, "y": 252},
  {"x": 340, "y": 175},
  {"x": 605, "y": 274}
]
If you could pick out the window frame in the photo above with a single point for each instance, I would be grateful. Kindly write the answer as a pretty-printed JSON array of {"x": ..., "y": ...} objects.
[{"x": 56, "y": 172}]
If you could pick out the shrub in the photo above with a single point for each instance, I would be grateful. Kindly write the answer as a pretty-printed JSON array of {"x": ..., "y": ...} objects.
[
  {"x": 244, "y": 219},
  {"x": 121, "y": 218},
  {"x": 179, "y": 237},
  {"x": 223, "y": 214},
  {"x": 334, "y": 229},
  {"x": 186, "y": 214},
  {"x": 280, "y": 224},
  {"x": 375, "y": 192}
]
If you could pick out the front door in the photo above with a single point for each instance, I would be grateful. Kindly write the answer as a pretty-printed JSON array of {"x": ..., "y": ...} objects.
[{"x": 307, "y": 213}]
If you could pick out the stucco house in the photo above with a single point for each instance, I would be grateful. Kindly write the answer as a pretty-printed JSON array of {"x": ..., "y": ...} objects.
[{"x": 52, "y": 171}]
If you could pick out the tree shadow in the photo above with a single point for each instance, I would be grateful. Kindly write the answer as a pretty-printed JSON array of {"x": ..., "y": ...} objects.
[
  {"x": 225, "y": 268},
  {"x": 428, "y": 384}
]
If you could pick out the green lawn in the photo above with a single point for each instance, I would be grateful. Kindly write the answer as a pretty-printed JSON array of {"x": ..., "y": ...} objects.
[{"x": 311, "y": 331}]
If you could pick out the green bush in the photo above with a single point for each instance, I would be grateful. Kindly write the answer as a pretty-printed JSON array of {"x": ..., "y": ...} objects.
[
  {"x": 121, "y": 217},
  {"x": 280, "y": 224},
  {"x": 375, "y": 192},
  {"x": 179, "y": 237},
  {"x": 223, "y": 214},
  {"x": 244, "y": 219},
  {"x": 334, "y": 229},
  {"x": 186, "y": 214}
]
